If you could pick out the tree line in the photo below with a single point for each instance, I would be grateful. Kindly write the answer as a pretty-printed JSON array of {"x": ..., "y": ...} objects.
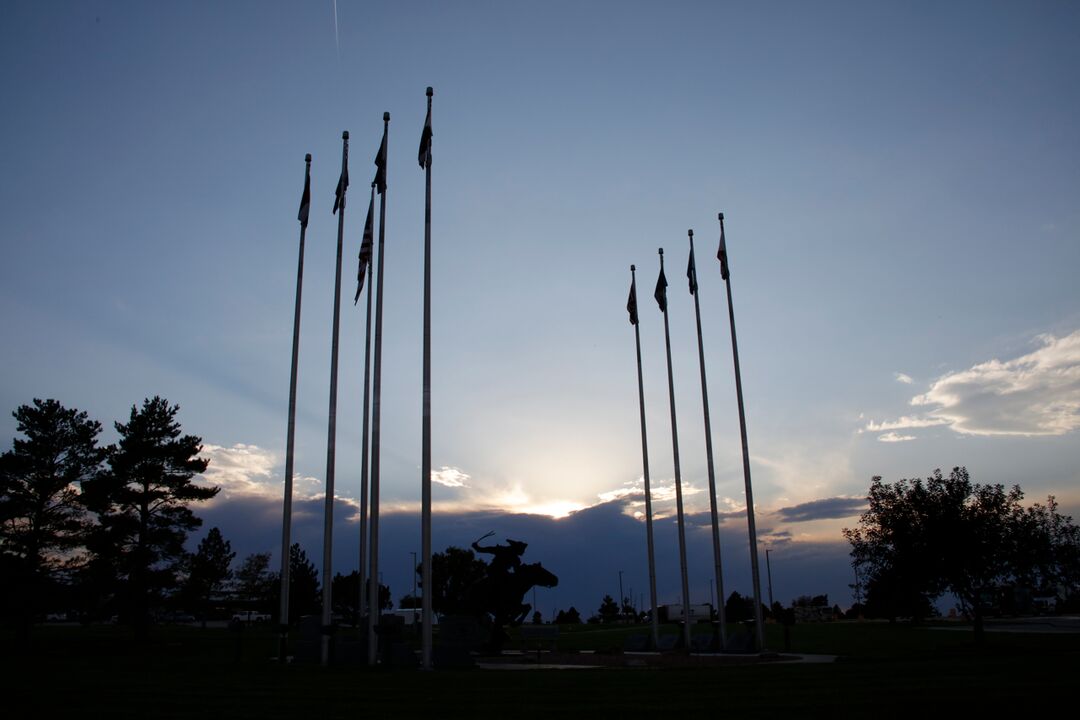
[
  {"x": 920, "y": 539},
  {"x": 106, "y": 524},
  {"x": 99, "y": 531}
]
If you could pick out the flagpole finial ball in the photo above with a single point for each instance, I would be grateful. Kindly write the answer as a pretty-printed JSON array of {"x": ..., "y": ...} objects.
[
  {"x": 632, "y": 268},
  {"x": 430, "y": 91},
  {"x": 721, "y": 216},
  {"x": 386, "y": 117},
  {"x": 661, "y": 251},
  {"x": 690, "y": 233},
  {"x": 307, "y": 158},
  {"x": 345, "y": 135}
]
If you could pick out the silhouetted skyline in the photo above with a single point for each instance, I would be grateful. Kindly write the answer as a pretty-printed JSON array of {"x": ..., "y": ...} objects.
[{"x": 899, "y": 185}]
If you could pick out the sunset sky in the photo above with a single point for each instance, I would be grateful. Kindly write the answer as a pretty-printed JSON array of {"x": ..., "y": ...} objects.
[{"x": 900, "y": 183}]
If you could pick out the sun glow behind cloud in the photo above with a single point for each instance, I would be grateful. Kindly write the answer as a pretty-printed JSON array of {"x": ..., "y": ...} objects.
[{"x": 451, "y": 477}]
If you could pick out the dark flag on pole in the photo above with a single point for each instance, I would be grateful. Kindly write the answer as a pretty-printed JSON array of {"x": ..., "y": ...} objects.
[
  {"x": 691, "y": 273},
  {"x": 425, "y": 142},
  {"x": 380, "y": 163},
  {"x": 721, "y": 254},
  {"x": 631, "y": 304},
  {"x": 305, "y": 200},
  {"x": 661, "y": 291},
  {"x": 342, "y": 186},
  {"x": 366, "y": 246}
]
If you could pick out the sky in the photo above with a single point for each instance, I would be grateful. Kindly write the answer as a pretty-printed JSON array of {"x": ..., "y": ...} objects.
[{"x": 899, "y": 183}]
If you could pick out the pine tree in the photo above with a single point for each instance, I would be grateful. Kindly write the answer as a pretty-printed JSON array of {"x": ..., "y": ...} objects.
[
  {"x": 305, "y": 596},
  {"x": 208, "y": 571},
  {"x": 254, "y": 583},
  {"x": 142, "y": 505},
  {"x": 42, "y": 520}
]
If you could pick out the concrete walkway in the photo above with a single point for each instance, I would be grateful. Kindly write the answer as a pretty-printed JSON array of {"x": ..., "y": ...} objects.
[{"x": 634, "y": 660}]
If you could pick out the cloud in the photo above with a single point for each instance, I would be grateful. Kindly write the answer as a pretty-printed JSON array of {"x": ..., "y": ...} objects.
[
  {"x": 241, "y": 469},
  {"x": 905, "y": 423},
  {"x": 903, "y": 378},
  {"x": 251, "y": 470},
  {"x": 891, "y": 437},
  {"x": 631, "y": 497},
  {"x": 824, "y": 509},
  {"x": 1034, "y": 394},
  {"x": 450, "y": 477}
]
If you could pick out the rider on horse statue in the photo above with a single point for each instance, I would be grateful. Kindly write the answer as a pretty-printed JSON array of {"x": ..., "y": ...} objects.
[
  {"x": 500, "y": 595},
  {"x": 504, "y": 557}
]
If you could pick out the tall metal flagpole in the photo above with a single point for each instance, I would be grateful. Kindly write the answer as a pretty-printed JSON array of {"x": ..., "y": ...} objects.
[
  {"x": 645, "y": 462},
  {"x": 376, "y": 436},
  {"x": 286, "y": 522},
  {"x": 675, "y": 451},
  {"x": 425, "y": 463},
  {"x": 717, "y": 565},
  {"x": 751, "y": 525},
  {"x": 362, "y": 605},
  {"x": 331, "y": 432}
]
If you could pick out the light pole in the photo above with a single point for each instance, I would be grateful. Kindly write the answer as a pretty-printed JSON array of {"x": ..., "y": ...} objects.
[
  {"x": 413, "y": 588},
  {"x": 768, "y": 570},
  {"x": 622, "y": 598}
]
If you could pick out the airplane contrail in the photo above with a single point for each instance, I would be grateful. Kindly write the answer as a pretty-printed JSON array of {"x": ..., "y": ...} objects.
[{"x": 337, "y": 42}]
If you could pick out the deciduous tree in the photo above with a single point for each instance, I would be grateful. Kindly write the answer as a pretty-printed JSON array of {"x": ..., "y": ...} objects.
[
  {"x": 920, "y": 538},
  {"x": 453, "y": 573}
]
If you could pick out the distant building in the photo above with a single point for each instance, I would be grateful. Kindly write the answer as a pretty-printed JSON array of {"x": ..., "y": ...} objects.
[{"x": 673, "y": 613}]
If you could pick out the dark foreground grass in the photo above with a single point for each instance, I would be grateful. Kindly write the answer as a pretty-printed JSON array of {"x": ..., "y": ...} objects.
[{"x": 884, "y": 671}]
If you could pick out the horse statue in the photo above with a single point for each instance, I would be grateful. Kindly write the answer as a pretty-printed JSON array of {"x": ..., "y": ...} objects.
[
  {"x": 499, "y": 597},
  {"x": 506, "y": 604}
]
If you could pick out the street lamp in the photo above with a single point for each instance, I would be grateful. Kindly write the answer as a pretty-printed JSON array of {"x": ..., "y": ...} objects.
[
  {"x": 413, "y": 569},
  {"x": 622, "y": 598},
  {"x": 768, "y": 569}
]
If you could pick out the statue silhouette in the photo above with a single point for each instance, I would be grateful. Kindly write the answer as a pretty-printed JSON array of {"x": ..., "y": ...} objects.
[
  {"x": 504, "y": 557},
  {"x": 499, "y": 595}
]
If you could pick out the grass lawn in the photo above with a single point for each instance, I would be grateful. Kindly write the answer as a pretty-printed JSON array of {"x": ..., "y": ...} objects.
[{"x": 883, "y": 671}]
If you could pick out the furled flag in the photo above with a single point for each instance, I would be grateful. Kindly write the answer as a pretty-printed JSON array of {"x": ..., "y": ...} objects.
[
  {"x": 691, "y": 273},
  {"x": 661, "y": 291},
  {"x": 366, "y": 246},
  {"x": 380, "y": 163},
  {"x": 424, "y": 156},
  {"x": 721, "y": 254},
  {"x": 305, "y": 200},
  {"x": 342, "y": 186},
  {"x": 631, "y": 303}
]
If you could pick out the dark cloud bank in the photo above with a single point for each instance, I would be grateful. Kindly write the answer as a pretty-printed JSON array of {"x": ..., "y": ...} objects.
[
  {"x": 586, "y": 550},
  {"x": 825, "y": 509}
]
